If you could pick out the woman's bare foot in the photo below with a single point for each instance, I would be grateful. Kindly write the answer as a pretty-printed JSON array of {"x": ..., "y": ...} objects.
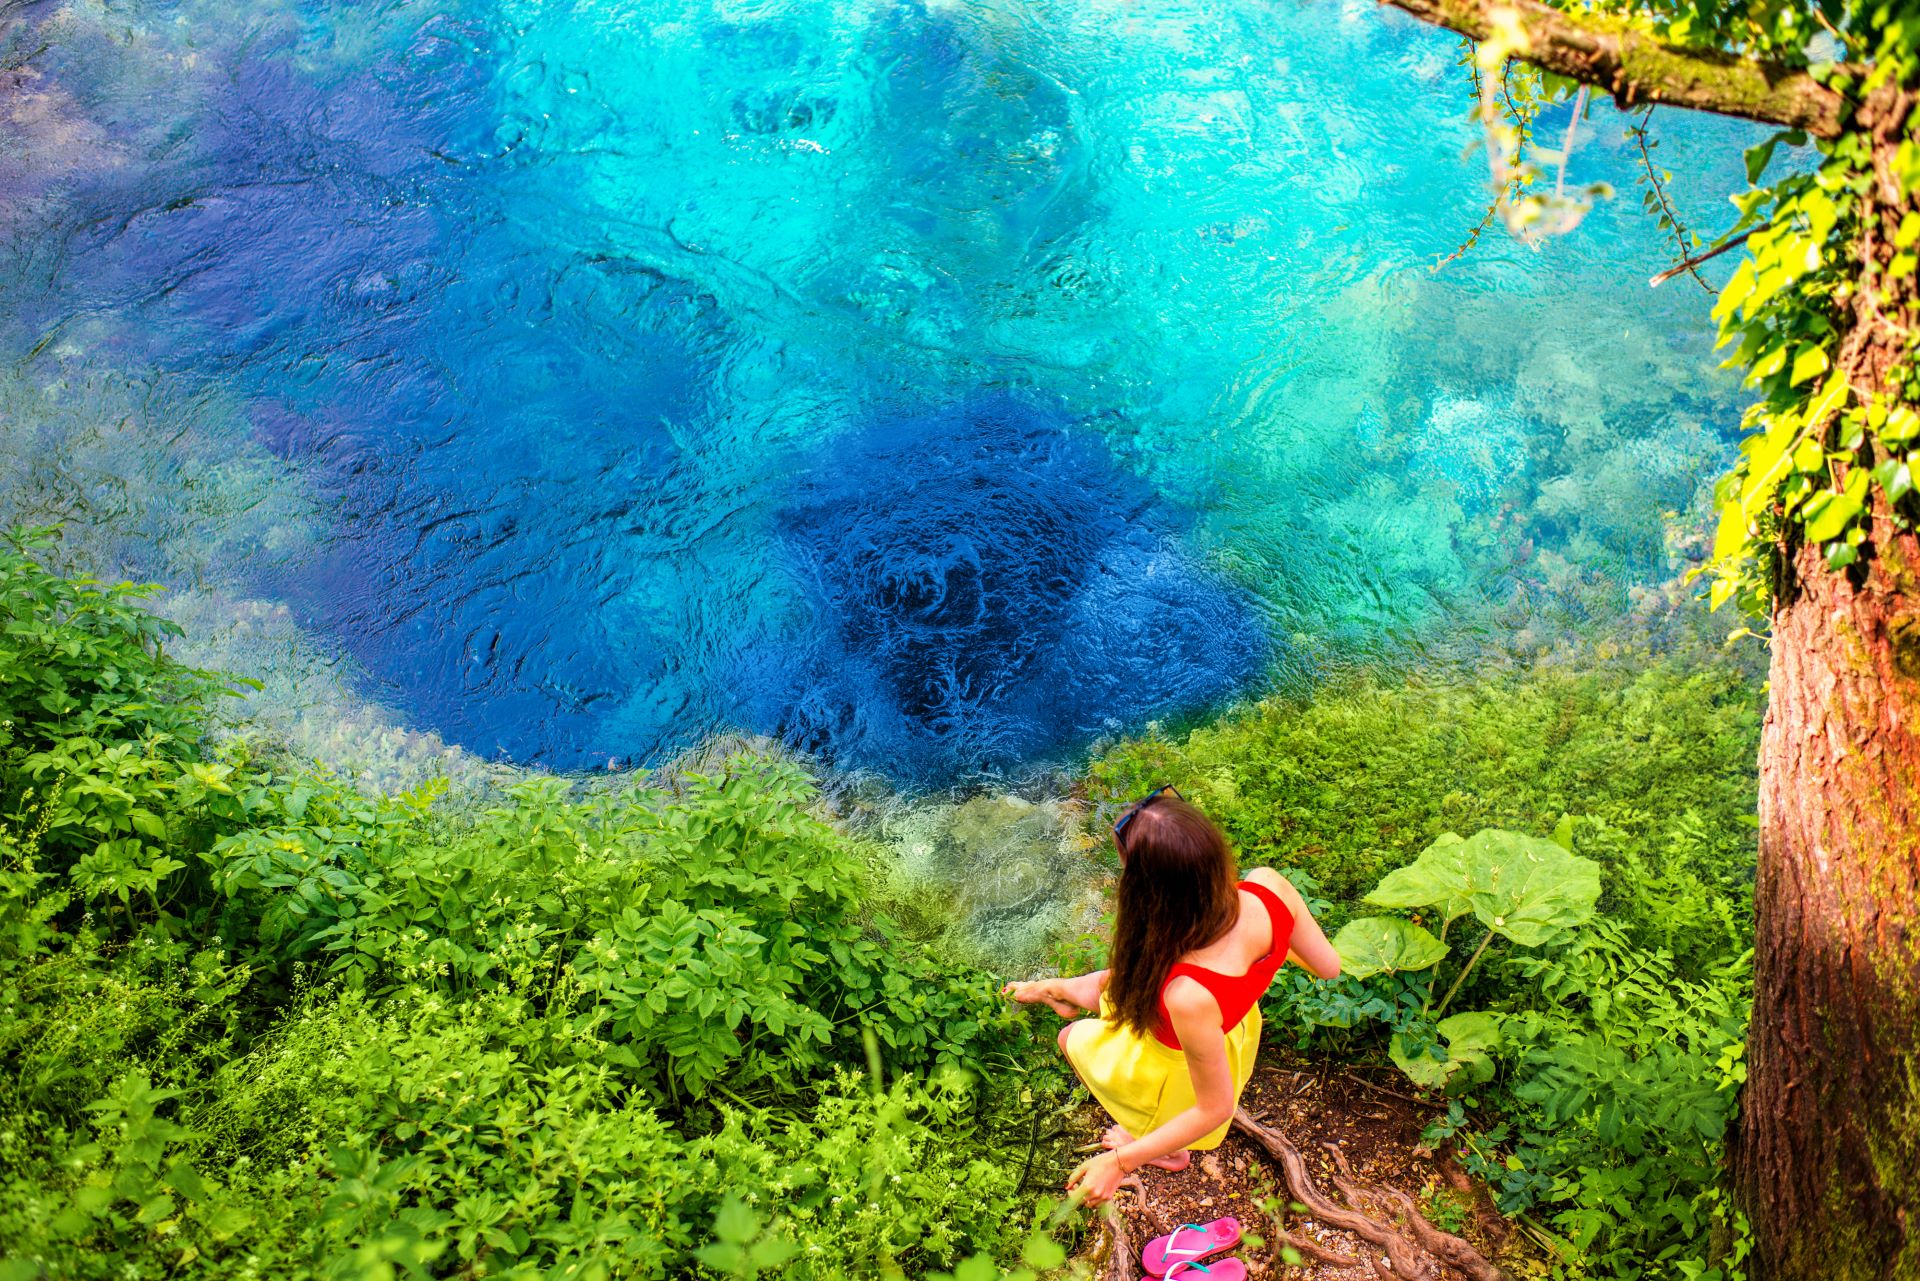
[
  {"x": 1042, "y": 992},
  {"x": 1117, "y": 1136}
]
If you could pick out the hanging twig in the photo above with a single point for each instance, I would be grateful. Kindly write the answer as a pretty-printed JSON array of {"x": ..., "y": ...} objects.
[
  {"x": 1668, "y": 213},
  {"x": 1566, "y": 144},
  {"x": 1473, "y": 237},
  {"x": 1508, "y": 186}
]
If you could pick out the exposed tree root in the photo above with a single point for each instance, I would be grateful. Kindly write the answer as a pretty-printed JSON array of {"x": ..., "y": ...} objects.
[
  {"x": 1313, "y": 1250},
  {"x": 1114, "y": 1257},
  {"x": 1415, "y": 1250}
]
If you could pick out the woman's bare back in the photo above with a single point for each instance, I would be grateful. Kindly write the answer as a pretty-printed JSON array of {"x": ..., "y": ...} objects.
[{"x": 1251, "y": 936}]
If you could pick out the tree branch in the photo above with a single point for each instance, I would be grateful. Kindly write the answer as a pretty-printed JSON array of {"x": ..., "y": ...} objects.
[
  {"x": 1699, "y": 258},
  {"x": 1635, "y": 67}
]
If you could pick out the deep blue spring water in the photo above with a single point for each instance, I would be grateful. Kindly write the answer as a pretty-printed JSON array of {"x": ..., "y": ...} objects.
[{"x": 936, "y": 387}]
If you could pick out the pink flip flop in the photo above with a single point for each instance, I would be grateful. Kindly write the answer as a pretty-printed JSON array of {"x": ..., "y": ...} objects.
[
  {"x": 1218, "y": 1270},
  {"x": 1188, "y": 1244}
]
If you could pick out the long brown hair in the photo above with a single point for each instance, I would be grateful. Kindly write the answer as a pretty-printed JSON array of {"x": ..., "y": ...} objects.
[{"x": 1177, "y": 879}]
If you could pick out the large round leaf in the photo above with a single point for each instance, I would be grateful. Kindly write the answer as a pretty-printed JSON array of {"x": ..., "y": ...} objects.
[
  {"x": 1438, "y": 878},
  {"x": 1385, "y": 945},
  {"x": 1423, "y": 1070},
  {"x": 1529, "y": 889},
  {"x": 1518, "y": 886},
  {"x": 1471, "y": 1039}
]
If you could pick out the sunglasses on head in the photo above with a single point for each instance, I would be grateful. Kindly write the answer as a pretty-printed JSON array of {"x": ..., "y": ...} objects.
[{"x": 1127, "y": 814}]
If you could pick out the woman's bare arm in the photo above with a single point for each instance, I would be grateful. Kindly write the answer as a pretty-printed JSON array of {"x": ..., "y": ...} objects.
[
  {"x": 1308, "y": 946},
  {"x": 1196, "y": 1021}
]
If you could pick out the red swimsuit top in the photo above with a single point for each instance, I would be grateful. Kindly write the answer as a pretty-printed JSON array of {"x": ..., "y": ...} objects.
[{"x": 1236, "y": 993}]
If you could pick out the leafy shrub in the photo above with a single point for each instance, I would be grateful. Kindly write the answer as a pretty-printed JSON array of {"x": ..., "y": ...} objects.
[
  {"x": 1592, "y": 1069},
  {"x": 99, "y": 729},
  {"x": 257, "y": 1022},
  {"x": 1352, "y": 785},
  {"x": 1597, "y": 1090}
]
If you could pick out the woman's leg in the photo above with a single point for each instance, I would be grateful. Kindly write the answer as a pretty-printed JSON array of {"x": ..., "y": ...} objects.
[
  {"x": 1117, "y": 1135},
  {"x": 1067, "y": 1031}
]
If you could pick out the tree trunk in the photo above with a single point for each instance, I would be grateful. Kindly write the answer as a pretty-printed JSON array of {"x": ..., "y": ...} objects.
[
  {"x": 1827, "y": 1156},
  {"x": 1828, "y": 1153}
]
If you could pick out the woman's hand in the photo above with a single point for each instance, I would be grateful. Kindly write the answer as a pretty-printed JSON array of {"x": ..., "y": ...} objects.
[
  {"x": 1042, "y": 992},
  {"x": 1097, "y": 1178}
]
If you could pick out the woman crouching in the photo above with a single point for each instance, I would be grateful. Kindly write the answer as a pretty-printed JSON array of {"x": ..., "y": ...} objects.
[{"x": 1179, "y": 1026}]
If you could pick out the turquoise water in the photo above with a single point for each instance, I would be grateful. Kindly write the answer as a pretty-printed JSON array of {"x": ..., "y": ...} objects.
[{"x": 939, "y": 388}]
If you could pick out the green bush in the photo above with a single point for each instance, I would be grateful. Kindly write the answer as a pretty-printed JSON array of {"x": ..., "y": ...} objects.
[
  {"x": 257, "y": 1022},
  {"x": 1590, "y": 1067},
  {"x": 1352, "y": 785},
  {"x": 1598, "y": 1087}
]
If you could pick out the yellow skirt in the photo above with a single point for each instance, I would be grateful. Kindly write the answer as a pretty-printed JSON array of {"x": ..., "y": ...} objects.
[{"x": 1143, "y": 1084}]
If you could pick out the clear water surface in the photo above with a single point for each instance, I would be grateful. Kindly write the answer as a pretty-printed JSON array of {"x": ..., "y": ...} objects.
[{"x": 938, "y": 387}]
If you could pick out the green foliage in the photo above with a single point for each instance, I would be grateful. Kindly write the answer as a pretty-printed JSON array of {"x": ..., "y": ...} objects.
[
  {"x": 1518, "y": 887},
  {"x": 1350, "y": 787},
  {"x": 98, "y": 728},
  {"x": 1385, "y": 945},
  {"x": 1824, "y": 441},
  {"x": 1601, "y": 976},
  {"x": 257, "y": 1022},
  {"x": 87, "y": 662},
  {"x": 1621, "y": 1082},
  {"x": 1470, "y": 1040},
  {"x": 1831, "y": 252},
  {"x": 1607, "y": 1074}
]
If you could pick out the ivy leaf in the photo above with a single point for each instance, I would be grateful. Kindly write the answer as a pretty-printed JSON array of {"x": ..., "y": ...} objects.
[
  {"x": 1809, "y": 363},
  {"x": 1759, "y": 157},
  {"x": 1385, "y": 945},
  {"x": 1769, "y": 364},
  {"x": 1896, "y": 477},
  {"x": 1839, "y": 510},
  {"x": 1901, "y": 425}
]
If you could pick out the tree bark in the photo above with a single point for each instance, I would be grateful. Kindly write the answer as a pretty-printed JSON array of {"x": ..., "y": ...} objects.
[
  {"x": 1827, "y": 1155},
  {"x": 1828, "y": 1150},
  {"x": 1636, "y": 67}
]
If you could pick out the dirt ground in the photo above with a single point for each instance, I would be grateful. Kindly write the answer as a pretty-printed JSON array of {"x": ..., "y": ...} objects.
[{"x": 1376, "y": 1125}]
